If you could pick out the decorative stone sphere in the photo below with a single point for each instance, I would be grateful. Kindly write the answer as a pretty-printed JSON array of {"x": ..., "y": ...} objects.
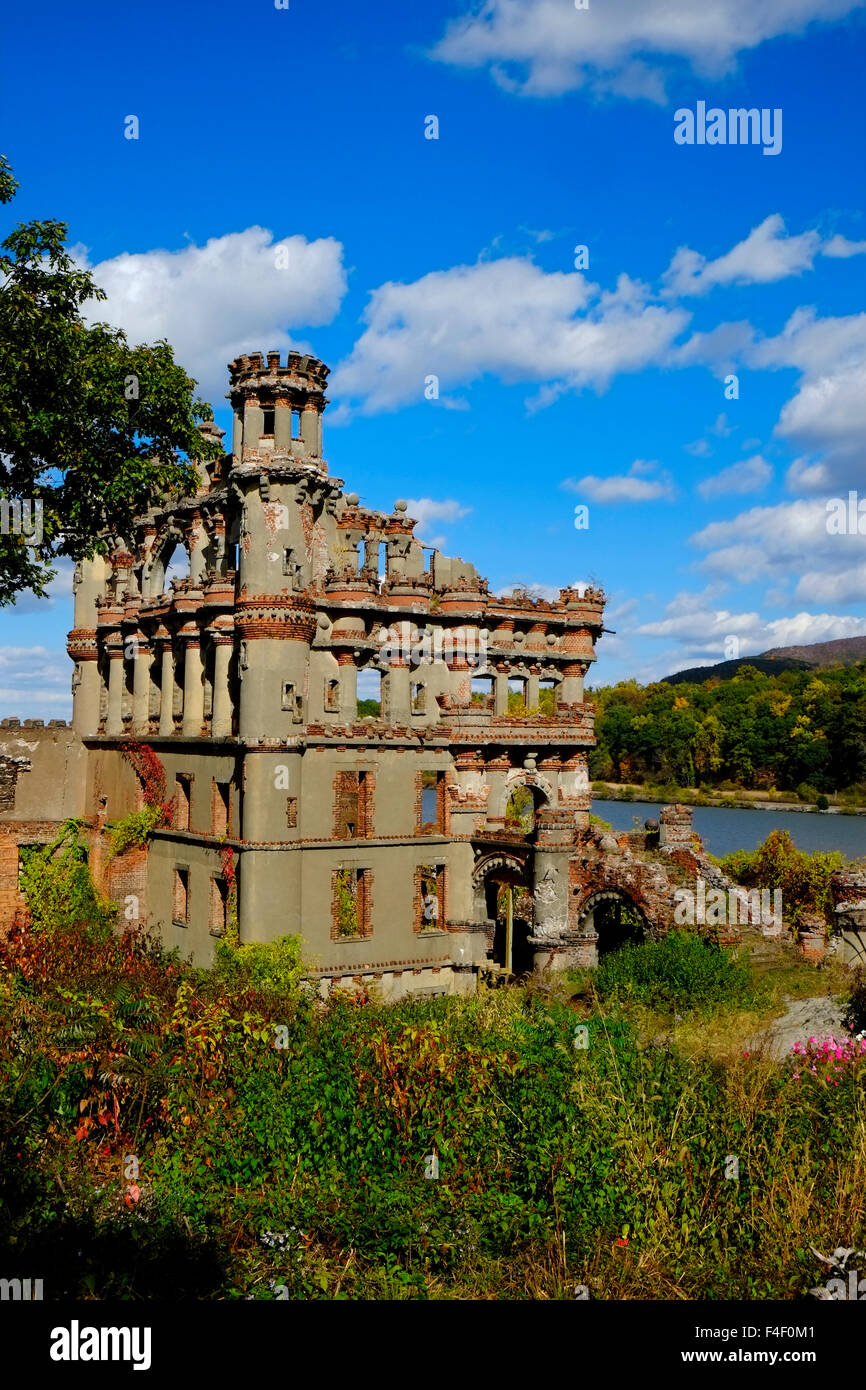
[
  {"x": 400, "y": 505},
  {"x": 352, "y": 499}
]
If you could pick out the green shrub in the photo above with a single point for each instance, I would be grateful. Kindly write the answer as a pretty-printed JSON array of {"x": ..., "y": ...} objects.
[
  {"x": 822, "y": 803},
  {"x": 57, "y": 885},
  {"x": 134, "y": 828},
  {"x": 683, "y": 970},
  {"x": 804, "y": 879},
  {"x": 272, "y": 966}
]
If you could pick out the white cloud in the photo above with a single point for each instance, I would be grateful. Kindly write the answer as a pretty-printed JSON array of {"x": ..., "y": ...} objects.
[
  {"x": 35, "y": 683},
  {"x": 749, "y": 475},
  {"x": 428, "y": 512},
  {"x": 807, "y": 475},
  {"x": 546, "y": 47},
  {"x": 841, "y": 248},
  {"x": 506, "y": 318},
  {"x": 58, "y": 591},
  {"x": 644, "y": 482},
  {"x": 767, "y": 254},
  {"x": 215, "y": 301}
]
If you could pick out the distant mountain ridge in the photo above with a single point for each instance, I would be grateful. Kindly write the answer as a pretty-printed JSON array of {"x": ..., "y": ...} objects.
[{"x": 843, "y": 651}]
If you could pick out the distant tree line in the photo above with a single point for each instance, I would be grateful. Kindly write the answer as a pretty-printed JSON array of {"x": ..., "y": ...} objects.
[{"x": 797, "y": 729}]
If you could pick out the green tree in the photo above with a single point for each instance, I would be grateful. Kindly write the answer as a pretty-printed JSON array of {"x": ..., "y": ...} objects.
[{"x": 92, "y": 429}]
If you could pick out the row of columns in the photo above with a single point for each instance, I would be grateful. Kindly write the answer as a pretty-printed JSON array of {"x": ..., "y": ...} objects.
[{"x": 192, "y": 677}]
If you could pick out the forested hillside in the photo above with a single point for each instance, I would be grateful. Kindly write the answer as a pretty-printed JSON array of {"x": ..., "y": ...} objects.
[{"x": 798, "y": 728}]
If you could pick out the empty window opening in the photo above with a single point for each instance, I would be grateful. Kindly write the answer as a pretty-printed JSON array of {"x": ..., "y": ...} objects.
[
  {"x": 419, "y": 698},
  {"x": 353, "y": 797},
  {"x": 219, "y": 903},
  {"x": 432, "y": 803},
  {"x": 520, "y": 811},
  {"x": 351, "y": 902},
  {"x": 547, "y": 696},
  {"x": 175, "y": 565},
  {"x": 183, "y": 801},
  {"x": 482, "y": 692},
  {"x": 221, "y": 808},
  {"x": 292, "y": 702},
  {"x": 517, "y": 694},
  {"x": 369, "y": 693},
  {"x": 431, "y": 897},
  {"x": 296, "y": 424},
  {"x": 332, "y": 696},
  {"x": 181, "y": 897},
  {"x": 267, "y": 422}
]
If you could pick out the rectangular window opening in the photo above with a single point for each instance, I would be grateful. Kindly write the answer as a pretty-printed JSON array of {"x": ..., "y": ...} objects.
[
  {"x": 267, "y": 422},
  {"x": 221, "y": 808},
  {"x": 219, "y": 906},
  {"x": 482, "y": 692},
  {"x": 517, "y": 694},
  {"x": 183, "y": 801},
  {"x": 181, "y": 897},
  {"x": 431, "y": 897},
  {"x": 432, "y": 809}
]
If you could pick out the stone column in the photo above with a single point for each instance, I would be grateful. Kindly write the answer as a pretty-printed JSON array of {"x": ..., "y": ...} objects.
[
  {"x": 532, "y": 688},
  {"x": 500, "y": 693},
  {"x": 114, "y": 722},
  {"x": 193, "y": 686},
  {"x": 311, "y": 429},
  {"x": 571, "y": 686},
  {"x": 398, "y": 692},
  {"x": 141, "y": 686},
  {"x": 221, "y": 721},
  {"x": 166, "y": 686}
]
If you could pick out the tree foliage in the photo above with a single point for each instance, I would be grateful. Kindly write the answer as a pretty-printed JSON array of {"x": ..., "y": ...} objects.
[
  {"x": 797, "y": 728},
  {"x": 92, "y": 428}
]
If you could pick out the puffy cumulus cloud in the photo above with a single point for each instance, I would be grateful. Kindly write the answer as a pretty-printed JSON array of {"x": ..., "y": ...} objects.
[
  {"x": 644, "y": 482},
  {"x": 427, "y": 512},
  {"x": 237, "y": 293},
  {"x": 749, "y": 475},
  {"x": 787, "y": 546},
  {"x": 767, "y": 254},
  {"x": 807, "y": 475},
  {"x": 828, "y": 412},
  {"x": 543, "y": 48},
  {"x": 35, "y": 683},
  {"x": 697, "y": 633},
  {"x": 506, "y": 318}
]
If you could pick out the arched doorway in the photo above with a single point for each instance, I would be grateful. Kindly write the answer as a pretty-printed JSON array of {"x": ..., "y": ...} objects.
[
  {"x": 504, "y": 899},
  {"x": 614, "y": 918}
]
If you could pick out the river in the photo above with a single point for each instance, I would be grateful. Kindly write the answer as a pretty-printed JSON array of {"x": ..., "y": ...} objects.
[{"x": 724, "y": 829}]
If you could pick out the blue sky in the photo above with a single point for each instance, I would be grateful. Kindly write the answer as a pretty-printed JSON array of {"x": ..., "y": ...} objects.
[{"x": 408, "y": 257}]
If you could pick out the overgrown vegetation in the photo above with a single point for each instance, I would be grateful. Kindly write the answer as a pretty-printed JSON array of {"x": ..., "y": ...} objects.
[
  {"x": 683, "y": 971},
  {"x": 803, "y": 877},
  {"x": 799, "y": 730},
  {"x": 171, "y": 1132}
]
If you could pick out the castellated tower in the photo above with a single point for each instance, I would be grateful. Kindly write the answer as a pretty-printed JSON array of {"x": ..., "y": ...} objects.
[{"x": 388, "y": 750}]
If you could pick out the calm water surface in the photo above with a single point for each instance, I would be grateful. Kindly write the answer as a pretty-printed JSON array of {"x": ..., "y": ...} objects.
[{"x": 724, "y": 829}]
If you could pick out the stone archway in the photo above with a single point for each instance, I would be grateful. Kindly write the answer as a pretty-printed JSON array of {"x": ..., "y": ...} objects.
[
  {"x": 613, "y": 918},
  {"x": 492, "y": 873}
]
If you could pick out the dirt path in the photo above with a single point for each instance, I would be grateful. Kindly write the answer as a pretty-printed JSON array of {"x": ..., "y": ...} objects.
[{"x": 803, "y": 1019}]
